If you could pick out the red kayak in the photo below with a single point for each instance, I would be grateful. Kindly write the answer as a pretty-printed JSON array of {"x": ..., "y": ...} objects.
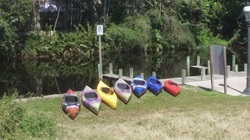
[
  {"x": 172, "y": 87},
  {"x": 71, "y": 104}
]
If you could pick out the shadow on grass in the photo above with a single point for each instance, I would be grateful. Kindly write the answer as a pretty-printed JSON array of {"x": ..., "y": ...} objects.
[
  {"x": 208, "y": 89},
  {"x": 205, "y": 88},
  {"x": 232, "y": 88}
]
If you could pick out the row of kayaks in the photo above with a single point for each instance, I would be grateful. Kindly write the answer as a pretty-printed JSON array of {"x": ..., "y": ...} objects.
[
  {"x": 140, "y": 86},
  {"x": 92, "y": 99}
]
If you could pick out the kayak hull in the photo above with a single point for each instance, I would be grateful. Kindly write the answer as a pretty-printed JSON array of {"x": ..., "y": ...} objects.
[
  {"x": 139, "y": 86},
  {"x": 107, "y": 95},
  {"x": 172, "y": 87},
  {"x": 123, "y": 90},
  {"x": 91, "y": 100},
  {"x": 154, "y": 85},
  {"x": 71, "y": 104}
]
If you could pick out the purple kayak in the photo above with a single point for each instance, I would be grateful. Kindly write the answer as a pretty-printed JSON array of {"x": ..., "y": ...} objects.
[
  {"x": 91, "y": 100},
  {"x": 123, "y": 90}
]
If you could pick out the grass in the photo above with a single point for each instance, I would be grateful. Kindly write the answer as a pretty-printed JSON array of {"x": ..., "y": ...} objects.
[{"x": 194, "y": 114}]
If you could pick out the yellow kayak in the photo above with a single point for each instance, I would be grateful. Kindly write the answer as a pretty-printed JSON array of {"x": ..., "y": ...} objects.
[{"x": 108, "y": 96}]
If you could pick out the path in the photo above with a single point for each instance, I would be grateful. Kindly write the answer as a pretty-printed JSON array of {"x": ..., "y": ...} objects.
[{"x": 236, "y": 82}]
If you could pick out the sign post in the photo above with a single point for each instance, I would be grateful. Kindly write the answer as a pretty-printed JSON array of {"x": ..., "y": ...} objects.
[
  {"x": 99, "y": 31},
  {"x": 218, "y": 64}
]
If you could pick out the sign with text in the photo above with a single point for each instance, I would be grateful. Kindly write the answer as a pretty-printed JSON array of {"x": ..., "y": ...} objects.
[{"x": 99, "y": 30}]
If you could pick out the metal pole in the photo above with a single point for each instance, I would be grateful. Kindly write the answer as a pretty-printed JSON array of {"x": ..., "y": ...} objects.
[
  {"x": 154, "y": 73},
  {"x": 225, "y": 69},
  {"x": 208, "y": 66},
  {"x": 188, "y": 65},
  {"x": 110, "y": 68},
  {"x": 233, "y": 62},
  {"x": 247, "y": 90},
  {"x": 100, "y": 57},
  {"x": 183, "y": 76},
  {"x": 198, "y": 61},
  {"x": 212, "y": 68},
  {"x": 131, "y": 72}
]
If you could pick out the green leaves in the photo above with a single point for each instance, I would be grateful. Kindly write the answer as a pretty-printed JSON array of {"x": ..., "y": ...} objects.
[
  {"x": 17, "y": 123},
  {"x": 73, "y": 45},
  {"x": 13, "y": 15},
  {"x": 17, "y": 10},
  {"x": 7, "y": 37},
  {"x": 39, "y": 126}
]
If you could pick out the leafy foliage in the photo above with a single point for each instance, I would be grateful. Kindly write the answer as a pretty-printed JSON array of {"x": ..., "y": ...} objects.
[
  {"x": 17, "y": 123},
  {"x": 134, "y": 28},
  {"x": 238, "y": 41},
  {"x": 164, "y": 24},
  {"x": 7, "y": 36},
  {"x": 39, "y": 126},
  {"x": 13, "y": 15},
  {"x": 132, "y": 37},
  {"x": 16, "y": 10},
  {"x": 81, "y": 43}
]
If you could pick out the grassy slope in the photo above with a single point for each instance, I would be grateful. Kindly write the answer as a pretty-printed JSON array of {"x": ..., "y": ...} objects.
[{"x": 194, "y": 114}]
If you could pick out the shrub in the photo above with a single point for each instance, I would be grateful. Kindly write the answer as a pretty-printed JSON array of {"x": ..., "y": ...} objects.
[
  {"x": 38, "y": 125},
  {"x": 17, "y": 123}
]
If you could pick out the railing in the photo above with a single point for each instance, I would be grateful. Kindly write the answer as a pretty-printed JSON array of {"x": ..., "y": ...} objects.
[{"x": 184, "y": 73}]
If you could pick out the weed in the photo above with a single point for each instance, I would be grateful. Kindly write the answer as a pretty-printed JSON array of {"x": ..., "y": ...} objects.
[{"x": 17, "y": 123}]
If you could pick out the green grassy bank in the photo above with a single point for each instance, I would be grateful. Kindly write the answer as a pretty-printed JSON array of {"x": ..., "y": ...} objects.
[{"x": 194, "y": 114}]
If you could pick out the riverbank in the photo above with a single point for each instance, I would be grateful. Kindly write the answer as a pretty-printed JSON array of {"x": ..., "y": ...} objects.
[
  {"x": 193, "y": 114},
  {"x": 236, "y": 83}
]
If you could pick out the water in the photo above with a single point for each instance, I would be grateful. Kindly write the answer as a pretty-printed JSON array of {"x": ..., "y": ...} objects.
[
  {"x": 45, "y": 77},
  {"x": 54, "y": 77}
]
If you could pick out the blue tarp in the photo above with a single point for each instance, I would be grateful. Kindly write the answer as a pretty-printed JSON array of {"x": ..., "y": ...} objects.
[{"x": 51, "y": 7}]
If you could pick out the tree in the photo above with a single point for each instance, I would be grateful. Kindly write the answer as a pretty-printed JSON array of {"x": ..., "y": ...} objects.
[{"x": 13, "y": 15}]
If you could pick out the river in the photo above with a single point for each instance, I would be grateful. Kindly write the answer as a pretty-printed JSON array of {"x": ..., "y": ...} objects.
[{"x": 47, "y": 77}]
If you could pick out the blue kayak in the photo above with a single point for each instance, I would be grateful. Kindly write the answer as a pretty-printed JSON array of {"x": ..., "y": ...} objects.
[
  {"x": 154, "y": 85},
  {"x": 139, "y": 86}
]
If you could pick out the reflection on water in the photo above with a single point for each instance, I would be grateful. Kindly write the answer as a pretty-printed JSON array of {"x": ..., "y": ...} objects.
[
  {"x": 45, "y": 77},
  {"x": 52, "y": 77}
]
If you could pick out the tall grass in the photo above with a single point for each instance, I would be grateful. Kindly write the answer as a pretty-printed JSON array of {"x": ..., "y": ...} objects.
[
  {"x": 194, "y": 114},
  {"x": 17, "y": 123}
]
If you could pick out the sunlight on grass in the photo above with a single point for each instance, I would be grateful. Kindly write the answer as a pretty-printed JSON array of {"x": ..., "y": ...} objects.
[{"x": 194, "y": 114}]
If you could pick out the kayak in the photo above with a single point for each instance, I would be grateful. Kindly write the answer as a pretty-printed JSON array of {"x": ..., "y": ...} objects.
[
  {"x": 154, "y": 85},
  {"x": 123, "y": 90},
  {"x": 107, "y": 95},
  {"x": 71, "y": 104},
  {"x": 172, "y": 87},
  {"x": 139, "y": 86},
  {"x": 91, "y": 100}
]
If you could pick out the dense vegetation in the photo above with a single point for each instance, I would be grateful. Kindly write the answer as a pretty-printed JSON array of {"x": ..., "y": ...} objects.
[
  {"x": 157, "y": 33},
  {"x": 130, "y": 26},
  {"x": 18, "y": 123}
]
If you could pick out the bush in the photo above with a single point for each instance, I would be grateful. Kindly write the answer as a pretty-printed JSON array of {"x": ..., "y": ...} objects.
[
  {"x": 57, "y": 45},
  {"x": 17, "y": 123},
  {"x": 38, "y": 126}
]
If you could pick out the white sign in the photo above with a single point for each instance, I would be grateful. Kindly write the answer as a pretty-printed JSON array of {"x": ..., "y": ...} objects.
[{"x": 99, "y": 30}]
